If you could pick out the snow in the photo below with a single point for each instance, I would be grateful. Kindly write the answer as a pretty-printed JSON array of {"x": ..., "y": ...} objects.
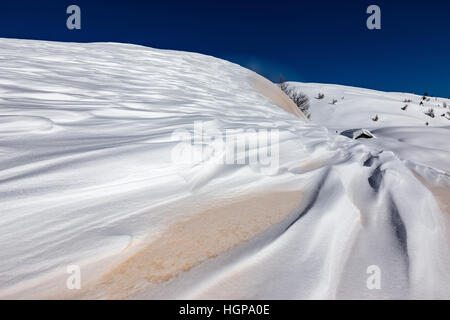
[
  {"x": 404, "y": 132},
  {"x": 87, "y": 178}
]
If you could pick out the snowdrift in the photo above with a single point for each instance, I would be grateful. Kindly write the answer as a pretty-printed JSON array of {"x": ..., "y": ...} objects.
[{"x": 88, "y": 134}]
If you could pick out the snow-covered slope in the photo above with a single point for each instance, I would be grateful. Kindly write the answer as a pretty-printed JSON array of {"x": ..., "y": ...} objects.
[
  {"x": 403, "y": 126},
  {"x": 357, "y": 107},
  {"x": 92, "y": 174}
]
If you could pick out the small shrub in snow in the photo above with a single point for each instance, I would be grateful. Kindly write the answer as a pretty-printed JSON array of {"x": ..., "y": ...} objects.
[
  {"x": 405, "y": 107},
  {"x": 320, "y": 96},
  {"x": 448, "y": 116},
  {"x": 333, "y": 101},
  {"x": 421, "y": 103},
  {"x": 375, "y": 118},
  {"x": 430, "y": 113},
  {"x": 302, "y": 102},
  {"x": 299, "y": 98},
  {"x": 407, "y": 100}
]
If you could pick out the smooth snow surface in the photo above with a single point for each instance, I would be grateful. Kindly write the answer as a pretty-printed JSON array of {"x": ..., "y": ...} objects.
[{"x": 87, "y": 178}]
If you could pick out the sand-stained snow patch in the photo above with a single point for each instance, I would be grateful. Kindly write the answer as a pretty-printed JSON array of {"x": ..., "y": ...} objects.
[
  {"x": 189, "y": 242},
  {"x": 274, "y": 94},
  {"x": 442, "y": 196}
]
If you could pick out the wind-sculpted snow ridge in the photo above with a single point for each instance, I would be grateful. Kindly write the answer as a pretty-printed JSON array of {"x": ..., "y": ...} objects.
[{"x": 92, "y": 174}]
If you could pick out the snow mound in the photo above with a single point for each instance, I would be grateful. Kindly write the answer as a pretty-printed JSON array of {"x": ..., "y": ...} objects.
[{"x": 88, "y": 178}]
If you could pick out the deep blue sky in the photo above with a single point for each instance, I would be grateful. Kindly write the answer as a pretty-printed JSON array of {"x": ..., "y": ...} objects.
[{"x": 312, "y": 41}]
